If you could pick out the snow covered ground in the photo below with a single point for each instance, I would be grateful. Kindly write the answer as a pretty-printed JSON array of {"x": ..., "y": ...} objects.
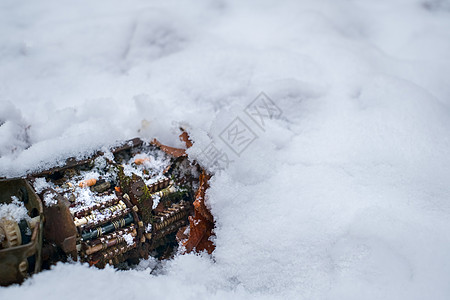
[{"x": 343, "y": 194}]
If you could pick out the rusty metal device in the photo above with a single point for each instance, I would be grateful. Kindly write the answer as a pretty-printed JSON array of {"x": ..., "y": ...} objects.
[
  {"x": 134, "y": 201},
  {"x": 21, "y": 240}
]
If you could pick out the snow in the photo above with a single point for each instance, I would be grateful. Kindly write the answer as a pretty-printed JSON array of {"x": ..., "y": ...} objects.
[
  {"x": 50, "y": 199},
  {"x": 15, "y": 210},
  {"x": 345, "y": 195},
  {"x": 155, "y": 167},
  {"x": 129, "y": 239},
  {"x": 40, "y": 184}
]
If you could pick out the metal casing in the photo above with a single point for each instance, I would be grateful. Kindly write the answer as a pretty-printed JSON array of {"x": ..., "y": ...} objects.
[{"x": 10, "y": 258}]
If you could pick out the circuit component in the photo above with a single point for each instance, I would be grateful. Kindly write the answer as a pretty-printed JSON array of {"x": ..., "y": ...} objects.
[{"x": 115, "y": 208}]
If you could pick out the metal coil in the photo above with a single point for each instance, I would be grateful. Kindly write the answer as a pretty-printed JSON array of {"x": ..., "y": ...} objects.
[
  {"x": 159, "y": 185},
  {"x": 114, "y": 216},
  {"x": 169, "y": 229},
  {"x": 116, "y": 251},
  {"x": 112, "y": 235},
  {"x": 87, "y": 210},
  {"x": 89, "y": 219},
  {"x": 110, "y": 240},
  {"x": 171, "y": 215},
  {"x": 110, "y": 227}
]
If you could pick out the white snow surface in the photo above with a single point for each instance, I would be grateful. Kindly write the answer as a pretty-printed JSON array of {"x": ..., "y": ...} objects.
[
  {"x": 345, "y": 196},
  {"x": 13, "y": 211}
]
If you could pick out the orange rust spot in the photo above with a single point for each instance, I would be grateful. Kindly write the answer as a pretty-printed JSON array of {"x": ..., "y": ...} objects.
[
  {"x": 94, "y": 262},
  {"x": 117, "y": 188},
  {"x": 140, "y": 161},
  {"x": 87, "y": 182}
]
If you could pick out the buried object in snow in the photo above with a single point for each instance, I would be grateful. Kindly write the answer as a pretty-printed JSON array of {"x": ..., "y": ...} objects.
[{"x": 135, "y": 201}]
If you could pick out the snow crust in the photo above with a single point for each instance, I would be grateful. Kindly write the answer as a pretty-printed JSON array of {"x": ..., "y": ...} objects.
[
  {"x": 345, "y": 196},
  {"x": 129, "y": 239},
  {"x": 15, "y": 210}
]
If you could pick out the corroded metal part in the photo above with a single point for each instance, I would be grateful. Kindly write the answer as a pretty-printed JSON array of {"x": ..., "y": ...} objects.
[
  {"x": 59, "y": 227},
  {"x": 107, "y": 228},
  {"x": 159, "y": 185},
  {"x": 125, "y": 213},
  {"x": 10, "y": 233},
  {"x": 17, "y": 261},
  {"x": 110, "y": 240},
  {"x": 174, "y": 213},
  {"x": 114, "y": 211},
  {"x": 87, "y": 210}
]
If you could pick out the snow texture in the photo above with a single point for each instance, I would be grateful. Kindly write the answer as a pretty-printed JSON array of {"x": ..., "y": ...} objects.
[
  {"x": 40, "y": 184},
  {"x": 15, "y": 210},
  {"x": 50, "y": 199},
  {"x": 345, "y": 194},
  {"x": 129, "y": 239}
]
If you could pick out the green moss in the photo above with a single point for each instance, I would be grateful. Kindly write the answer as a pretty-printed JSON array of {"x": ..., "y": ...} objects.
[
  {"x": 124, "y": 181},
  {"x": 146, "y": 203}
]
